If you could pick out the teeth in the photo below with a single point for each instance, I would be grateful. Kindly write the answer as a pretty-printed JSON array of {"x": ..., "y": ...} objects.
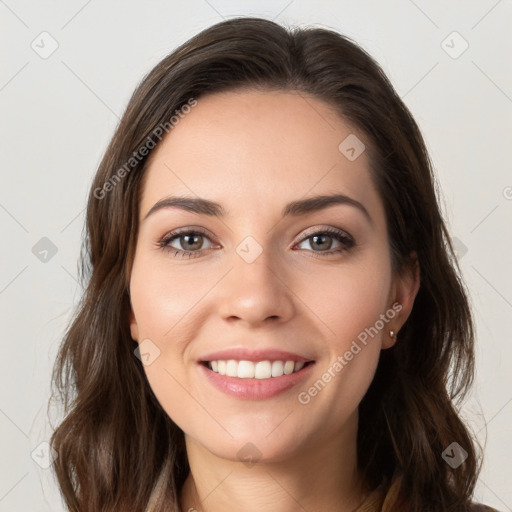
[
  {"x": 289, "y": 366},
  {"x": 262, "y": 370},
  {"x": 231, "y": 368},
  {"x": 246, "y": 370},
  {"x": 255, "y": 370},
  {"x": 277, "y": 368}
]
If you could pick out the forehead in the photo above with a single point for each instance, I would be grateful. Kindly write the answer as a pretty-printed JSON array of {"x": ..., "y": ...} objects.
[{"x": 247, "y": 149}]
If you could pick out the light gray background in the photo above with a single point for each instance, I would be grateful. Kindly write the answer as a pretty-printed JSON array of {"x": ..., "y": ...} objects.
[{"x": 58, "y": 114}]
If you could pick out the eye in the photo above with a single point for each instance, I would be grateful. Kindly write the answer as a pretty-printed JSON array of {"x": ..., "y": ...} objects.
[
  {"x": 188, "y": 243},
  {"x": 324, "y": 240}
]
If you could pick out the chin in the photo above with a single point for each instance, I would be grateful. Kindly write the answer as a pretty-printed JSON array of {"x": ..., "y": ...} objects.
[{"x": 257, "y": 449}]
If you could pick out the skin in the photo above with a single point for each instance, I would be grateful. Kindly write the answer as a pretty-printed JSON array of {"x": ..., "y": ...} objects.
[{"x": 253, "y": 152}]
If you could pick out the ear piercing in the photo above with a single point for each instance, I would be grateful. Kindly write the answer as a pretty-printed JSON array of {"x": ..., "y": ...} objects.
[{"x": 392, "y": 333}]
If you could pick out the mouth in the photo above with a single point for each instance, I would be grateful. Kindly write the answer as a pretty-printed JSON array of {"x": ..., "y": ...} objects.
[
  {"x": 255, "y": 380},
  {"x": 264, "y": 369}
]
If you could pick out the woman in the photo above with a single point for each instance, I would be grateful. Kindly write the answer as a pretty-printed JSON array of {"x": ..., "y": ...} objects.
[{"x": 273, "y": 317}]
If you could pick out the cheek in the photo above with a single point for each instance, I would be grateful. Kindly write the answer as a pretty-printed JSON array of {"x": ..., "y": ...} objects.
[
  {"x": 348, "y": 299},
  {"x": 351, "y": 303},
  {"x": 163, "y": 308},
  {"x": 163, "y": 298}
]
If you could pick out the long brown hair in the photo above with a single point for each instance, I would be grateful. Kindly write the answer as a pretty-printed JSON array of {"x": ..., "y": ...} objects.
[{"x": 115, "y": 438}]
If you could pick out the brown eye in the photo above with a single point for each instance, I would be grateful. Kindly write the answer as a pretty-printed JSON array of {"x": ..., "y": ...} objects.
[
  {"x": 191, "y": 242},
  {"x": 185, "y": 243},
  {"x": 322, "y": 241}
]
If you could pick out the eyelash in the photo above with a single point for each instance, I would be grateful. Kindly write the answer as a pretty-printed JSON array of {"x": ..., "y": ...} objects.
[{"x": 346, "y": 241}]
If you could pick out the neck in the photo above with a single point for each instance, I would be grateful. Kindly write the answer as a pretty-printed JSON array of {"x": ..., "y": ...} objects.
[{"x": 322, "y": 476}]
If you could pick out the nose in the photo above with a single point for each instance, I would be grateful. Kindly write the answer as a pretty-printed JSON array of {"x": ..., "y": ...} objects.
[{"x": 255, "y": 293}]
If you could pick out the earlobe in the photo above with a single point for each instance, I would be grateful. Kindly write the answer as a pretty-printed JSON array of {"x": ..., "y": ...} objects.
[
  {"x": 388, "y": 338},
  {"x": 406, "y": 288}
]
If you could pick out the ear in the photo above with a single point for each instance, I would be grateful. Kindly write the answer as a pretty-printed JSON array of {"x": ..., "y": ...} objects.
[
  {"x": 134, "y": 329},
  {"x": 403, "y": 292}
]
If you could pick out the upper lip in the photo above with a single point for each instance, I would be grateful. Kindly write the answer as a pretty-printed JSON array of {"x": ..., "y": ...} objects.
[{"x": 262, "y": 354}]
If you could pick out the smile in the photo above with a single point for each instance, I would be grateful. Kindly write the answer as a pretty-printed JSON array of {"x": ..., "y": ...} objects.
[
  {"x": 255, "y": 380},
  {"x": 254, "y": 369}
]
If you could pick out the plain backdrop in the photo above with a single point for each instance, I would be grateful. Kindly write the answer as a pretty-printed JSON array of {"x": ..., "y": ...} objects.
[{"x": 68, "y": 70}]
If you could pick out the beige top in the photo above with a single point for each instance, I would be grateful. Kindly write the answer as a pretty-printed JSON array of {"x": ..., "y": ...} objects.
[{"x": 378, "y": 501}]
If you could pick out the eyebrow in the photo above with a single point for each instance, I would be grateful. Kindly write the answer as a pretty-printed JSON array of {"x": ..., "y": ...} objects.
[{"x": 295, "y": 208}]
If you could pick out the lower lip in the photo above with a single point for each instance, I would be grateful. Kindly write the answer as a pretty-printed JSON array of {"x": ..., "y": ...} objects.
[{"x": 255, "y": 389}]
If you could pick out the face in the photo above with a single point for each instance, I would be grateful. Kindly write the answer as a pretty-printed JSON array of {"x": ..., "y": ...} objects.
[{"x": 313, "y": 286}]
